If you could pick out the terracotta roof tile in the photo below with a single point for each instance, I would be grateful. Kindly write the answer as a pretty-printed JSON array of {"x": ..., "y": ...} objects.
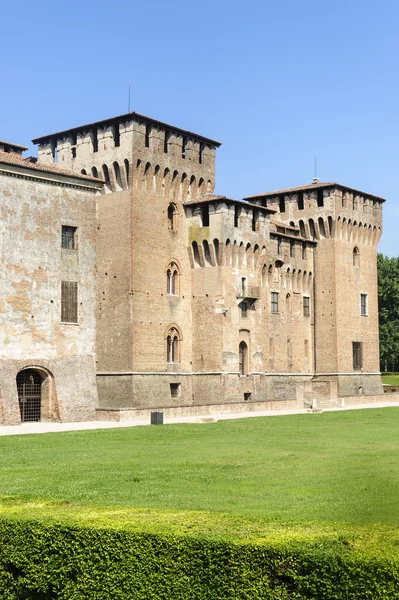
[
  {"x": 212, "y": 198},
  {"x": 19, "y": 161}
]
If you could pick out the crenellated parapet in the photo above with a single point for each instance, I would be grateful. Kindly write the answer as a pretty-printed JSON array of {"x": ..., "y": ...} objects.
[
  {"x": 328, "y": 210},
  {"x": 116, "y": 150}
]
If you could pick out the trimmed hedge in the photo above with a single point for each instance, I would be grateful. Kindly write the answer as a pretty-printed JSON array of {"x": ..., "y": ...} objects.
[{"x": 85, "y": 557}]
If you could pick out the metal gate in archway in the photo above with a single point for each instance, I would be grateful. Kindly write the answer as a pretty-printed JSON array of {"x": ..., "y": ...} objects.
[{"x": 29, "y": 386}]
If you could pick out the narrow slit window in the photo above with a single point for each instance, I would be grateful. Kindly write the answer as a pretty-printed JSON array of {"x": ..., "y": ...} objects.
[
  {"x": 147, "y": 136},
  {"x": 200, "y": 153},
  {"x": 94, "y": 139},
  {"x": 184, "y": 147},
  {"x": 117, "y": 135}
]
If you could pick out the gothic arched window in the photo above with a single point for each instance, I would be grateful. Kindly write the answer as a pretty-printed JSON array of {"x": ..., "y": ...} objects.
[
  {"x": 172, "y": 279},
  {"x": 173, "y": 346}
]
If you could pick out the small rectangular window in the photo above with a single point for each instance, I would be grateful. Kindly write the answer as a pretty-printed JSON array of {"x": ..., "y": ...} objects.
[
  {"x": 183, "y": 147},
  {"x": 244, "y": 309},
  {"x": 201, "y": 149},
  {"x": 282, "y": 203},
  {"x": 117, "y": 135},
  {"x": 147, "y": 136},
  {"x": 165, "y": 142},
  {"x": 306, "y": 306},
  {"x": 363, "y": 305},
  {"x": 69, "y": 301},
  {"x": 300, "y": 201},
  {"x": 320, "y": 198},
  {"x": 175, "y": 389},
  {"x": 274, "y": 302},
  {"x": 205, "y": 216},
  {"x": 73, "y": 151},
  {"x": 236, "y": 216},
  {"x": 94, "y": 139},
  {"x": 69, "y": 237},
  {"x": 357, "y": 353}
]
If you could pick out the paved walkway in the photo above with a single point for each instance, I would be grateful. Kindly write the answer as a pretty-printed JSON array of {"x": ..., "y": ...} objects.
[{"x": 85, "y": 425}]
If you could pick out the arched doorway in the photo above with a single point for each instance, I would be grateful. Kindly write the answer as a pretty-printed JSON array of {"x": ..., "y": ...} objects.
[
  {"x": 243, "y": 358},
  {"x": 29, "y": 386}
]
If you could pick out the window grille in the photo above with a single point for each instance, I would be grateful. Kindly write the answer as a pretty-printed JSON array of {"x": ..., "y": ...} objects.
[
  {"x": 68, "y": 237},
  {"x": 29, "y": 385},
  {"x": 274, "y": 302},
  {"x": 306, "y": 306},
  {"x": 69, "y": 302},
  {"x": 363, "y": 305},
  {"x": 357, "y": 352}
]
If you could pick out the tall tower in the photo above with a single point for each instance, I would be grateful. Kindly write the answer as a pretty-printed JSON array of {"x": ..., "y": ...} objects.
[
  {"x": 149, "y": 169},
  {"x": 346, "y": 224}
]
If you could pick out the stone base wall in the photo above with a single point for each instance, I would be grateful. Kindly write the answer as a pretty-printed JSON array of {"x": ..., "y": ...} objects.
[
  {"x": 211, "y": 410},
  {"x": 179, "y": 390},
  {"x": 68, "y": 391}
]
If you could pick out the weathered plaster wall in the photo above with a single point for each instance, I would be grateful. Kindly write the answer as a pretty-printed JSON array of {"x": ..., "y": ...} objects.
[{"x": 33, "y": 264}]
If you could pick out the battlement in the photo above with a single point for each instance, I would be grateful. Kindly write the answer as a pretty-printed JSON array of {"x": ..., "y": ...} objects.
[
  {"x": 112, "y": 147},
  {"x": 327, "y": 210}
]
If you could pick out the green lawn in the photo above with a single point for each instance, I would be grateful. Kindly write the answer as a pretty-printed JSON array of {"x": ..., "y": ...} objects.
[
  {"x": 390, "y": 379},
  {"x": 336, "y": 467}
]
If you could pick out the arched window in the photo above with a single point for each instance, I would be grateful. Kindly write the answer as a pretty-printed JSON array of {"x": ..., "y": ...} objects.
[
  {"x": 106, "y": 178},
  {"x": 117, "y": 173},
  {"x": 172, "y": 279},
  {"x": 94, "y": 172},
  {"x": 302, "y": 229},
  {"x": 356, "y": 257},
  {"x": 197, "y": 262},
  {"x": 217, "y": 250},
  {"x": 312, "y": 229},
  {"x": 243, "y": 358},
  {"x": 322, "y": 228},
  {"x": 126, "y": 163},
  {"x": 330, "y": 226},
  {"x": 172, "y": 217},
  {"x": 83, "y": 171},
  {"x": 207, "y": 253},
  {"x": 173, "y": 346}
]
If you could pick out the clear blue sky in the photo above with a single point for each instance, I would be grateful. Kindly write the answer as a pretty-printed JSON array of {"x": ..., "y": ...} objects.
[{"x": 277, "y": 82}]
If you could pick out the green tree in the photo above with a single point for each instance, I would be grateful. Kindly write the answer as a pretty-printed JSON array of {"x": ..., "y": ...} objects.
[{"x": 388, "y": 304}]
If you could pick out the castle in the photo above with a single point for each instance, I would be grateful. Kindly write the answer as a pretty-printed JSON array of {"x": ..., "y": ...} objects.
[{"x": 128, "y": 286}]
